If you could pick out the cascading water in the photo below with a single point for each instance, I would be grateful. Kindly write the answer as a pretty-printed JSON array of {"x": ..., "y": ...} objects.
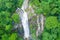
[{"x": 24, "y": 19}]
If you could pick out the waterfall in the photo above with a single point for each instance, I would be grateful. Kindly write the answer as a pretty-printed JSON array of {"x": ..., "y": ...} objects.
[
  {"x": 25, "y": 24},
  {"x": 24, "y": 19}
]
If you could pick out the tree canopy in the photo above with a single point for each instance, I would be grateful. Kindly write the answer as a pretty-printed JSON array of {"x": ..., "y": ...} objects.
[{"x": 49, "y": 8}]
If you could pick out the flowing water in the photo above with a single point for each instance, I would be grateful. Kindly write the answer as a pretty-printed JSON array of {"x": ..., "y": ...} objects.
[{"x": 24, "y": 19}]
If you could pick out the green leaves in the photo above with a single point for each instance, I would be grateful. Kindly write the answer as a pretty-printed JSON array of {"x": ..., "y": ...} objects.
[
  {"x": 51, "y": 22},
  {"x": 8, "y": 27},
  {"x": 5, "y": 37},
  {"x": 8, "y": 4},
  {"x": 51, "y": 10},
  {"x": 16, "y": 18},
  {"x": 7, "y": 16},
  {"x": 6, "y": 24},
  {"x": 58, "y": 18},
  {"x": 13, "y": 36},
  {"x": 20, "y": 2},
  {"x": 52, "y": 28},
  {"x": 48, "y": 36},
  {"x": 46, "y": 7}
]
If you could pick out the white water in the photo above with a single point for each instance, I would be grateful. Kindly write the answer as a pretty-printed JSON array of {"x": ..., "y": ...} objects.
[
  {"x": 24, "y": 20},
  {"x": 25, "y": 24}
]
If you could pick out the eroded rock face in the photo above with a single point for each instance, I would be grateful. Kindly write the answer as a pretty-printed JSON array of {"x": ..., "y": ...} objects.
[{"x": 23, "y": 14}]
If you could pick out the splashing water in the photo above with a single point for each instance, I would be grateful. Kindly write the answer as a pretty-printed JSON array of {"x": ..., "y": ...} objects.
[{"x": 24, "y": 20}]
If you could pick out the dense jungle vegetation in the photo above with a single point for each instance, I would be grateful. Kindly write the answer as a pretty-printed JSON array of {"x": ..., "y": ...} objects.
[{"x": 49, "y": 8}]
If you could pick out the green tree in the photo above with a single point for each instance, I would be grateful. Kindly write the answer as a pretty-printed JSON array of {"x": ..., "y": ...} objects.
[{"x": 7, "y": 16}]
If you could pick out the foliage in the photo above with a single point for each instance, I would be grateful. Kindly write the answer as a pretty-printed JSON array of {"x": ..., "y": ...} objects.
[
  {"x": 16, "y": 18},
  {"x": 51, "y": 29},
  {"x": 10, "y": 5},
  {"x": 51, "y": 10},
  {"x": 13, "y": 36},
  {"x": 47, "y": 7},
  {"x": 51, "y": 22},
  {"x": 7, "y": 17}
]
